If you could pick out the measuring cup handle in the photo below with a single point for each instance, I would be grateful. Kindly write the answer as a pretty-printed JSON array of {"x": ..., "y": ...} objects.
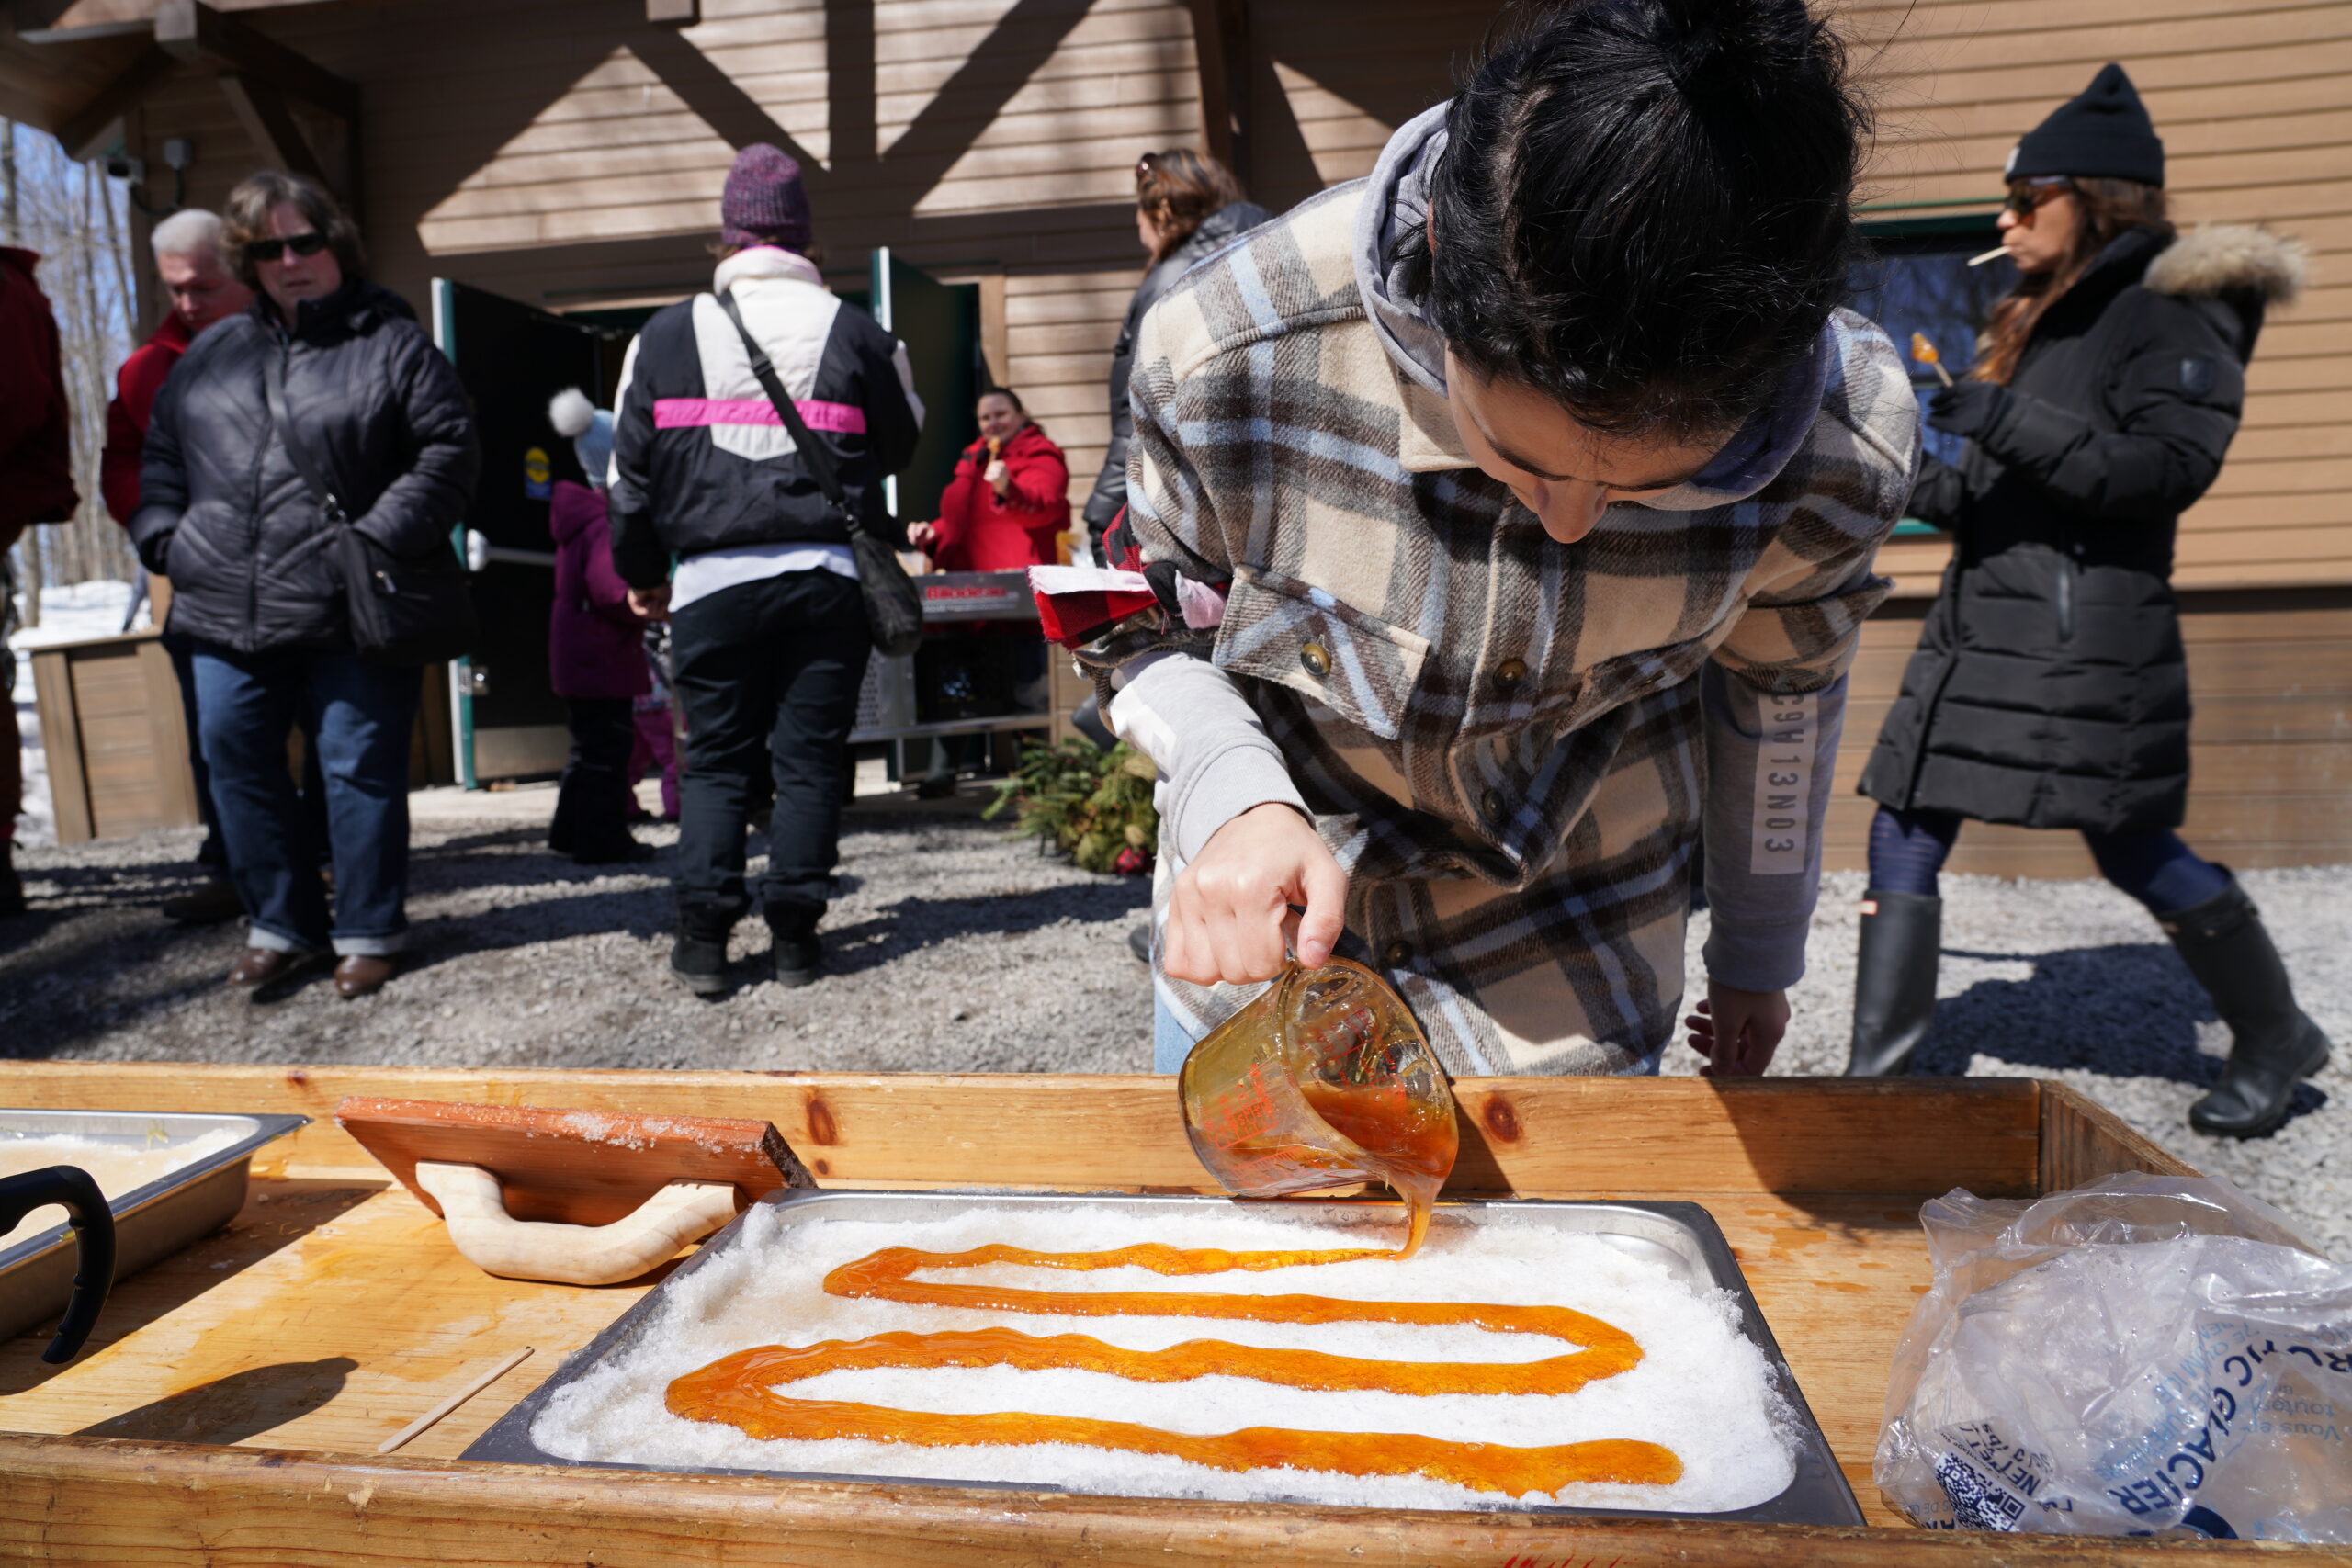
[{"x": 93, "y": 1222}]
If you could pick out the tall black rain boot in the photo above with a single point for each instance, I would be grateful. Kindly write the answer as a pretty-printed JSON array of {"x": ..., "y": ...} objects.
[
  {"x": 1894, "y": 981},
  {"x": 2273, "y": 1044}
]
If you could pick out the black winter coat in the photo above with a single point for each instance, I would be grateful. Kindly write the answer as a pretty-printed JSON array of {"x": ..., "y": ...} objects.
[
  {"x": 1218, "y": 229},
  {"x": 2048, "y": 689},
  {"x": 700, "y": 460},
  {"x": 225, "y": 515}
]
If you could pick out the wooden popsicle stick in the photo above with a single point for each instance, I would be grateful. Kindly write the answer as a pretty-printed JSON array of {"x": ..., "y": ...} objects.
[{"x": 401, "y": 1437}]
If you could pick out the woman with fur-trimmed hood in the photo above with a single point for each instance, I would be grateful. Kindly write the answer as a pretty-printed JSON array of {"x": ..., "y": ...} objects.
[{"x": 2049, "y": 689}]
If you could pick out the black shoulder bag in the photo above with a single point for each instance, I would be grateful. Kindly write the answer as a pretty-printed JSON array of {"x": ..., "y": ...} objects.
[
  {"x": 403, "y": 613},
  {"x": 893, "y": 608}
]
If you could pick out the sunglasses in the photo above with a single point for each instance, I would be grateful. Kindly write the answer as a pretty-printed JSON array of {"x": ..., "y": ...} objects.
[
  {"x": 2027, "y": 195},
  {"x": 305, "y": 245}
]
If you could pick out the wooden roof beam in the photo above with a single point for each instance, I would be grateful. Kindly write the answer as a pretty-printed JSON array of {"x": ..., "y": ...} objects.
[
  {"x": 219, "y": 43},
  {"x": 269, "y": 125},
  {"x": 83, "y": 131},
  {"x": 1221, "y": 55}
]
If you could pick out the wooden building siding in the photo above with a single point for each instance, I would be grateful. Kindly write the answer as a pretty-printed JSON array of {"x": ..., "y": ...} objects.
[
  {"x": 573, "y": 156},
  {"x": 578, "y": 165},
  {"x": 2250, "y": 99}
]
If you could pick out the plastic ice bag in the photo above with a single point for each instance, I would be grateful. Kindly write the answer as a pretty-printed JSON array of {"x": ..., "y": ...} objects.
[{"x": 2146, "y": 1355}]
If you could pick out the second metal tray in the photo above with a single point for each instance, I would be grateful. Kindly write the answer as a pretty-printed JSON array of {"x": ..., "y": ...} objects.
[
  {"x": 1682, "y": 1236},
  {"x": 151, "y": 1223}
]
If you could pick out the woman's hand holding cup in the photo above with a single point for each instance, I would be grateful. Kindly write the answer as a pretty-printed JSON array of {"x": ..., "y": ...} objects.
[{"x": 1263, "y": 886}]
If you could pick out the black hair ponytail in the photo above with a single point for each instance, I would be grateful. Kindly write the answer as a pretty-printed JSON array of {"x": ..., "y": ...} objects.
[{"x": 1642, "y": 209}]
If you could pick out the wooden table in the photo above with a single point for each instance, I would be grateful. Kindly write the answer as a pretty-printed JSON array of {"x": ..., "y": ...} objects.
[{"x": 228, "y": 1409}]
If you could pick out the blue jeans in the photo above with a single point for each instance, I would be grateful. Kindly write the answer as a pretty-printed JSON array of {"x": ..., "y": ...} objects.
[
  {"x": 1171, "y": 1039},
  {"x": 358, "y": 717},
  {"x": 1908, "y": 850}
]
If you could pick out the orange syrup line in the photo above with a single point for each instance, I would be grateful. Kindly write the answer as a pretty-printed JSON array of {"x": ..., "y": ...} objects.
[{"x": 739, "y": 1389}]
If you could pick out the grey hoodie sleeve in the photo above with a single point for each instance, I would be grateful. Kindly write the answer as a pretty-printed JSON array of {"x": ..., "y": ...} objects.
[
  {"x": 1224, "y": 762},
  {"x": 1769, "y": 758}
]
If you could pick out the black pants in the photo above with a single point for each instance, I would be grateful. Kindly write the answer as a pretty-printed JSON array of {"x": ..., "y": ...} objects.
[
  {"x": 767, "y": 673},
  {"x": 591, "y": 803}
]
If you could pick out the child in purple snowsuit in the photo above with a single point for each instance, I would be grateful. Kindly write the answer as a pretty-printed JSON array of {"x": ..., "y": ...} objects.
[{"x": 595, "y": 653}]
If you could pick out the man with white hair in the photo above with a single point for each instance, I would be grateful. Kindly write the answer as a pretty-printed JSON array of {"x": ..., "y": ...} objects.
[{"x": 204, "y": 290}]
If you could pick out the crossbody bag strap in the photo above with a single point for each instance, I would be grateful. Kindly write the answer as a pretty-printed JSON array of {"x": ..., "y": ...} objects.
[
  {"x": 272, "y": 379},
  {"x": 812, "y": 452}
]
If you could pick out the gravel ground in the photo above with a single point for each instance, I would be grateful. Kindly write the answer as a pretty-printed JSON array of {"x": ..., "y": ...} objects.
[
  {"x": 956, "y": 951},
  {"x": 952, "y": 950}
]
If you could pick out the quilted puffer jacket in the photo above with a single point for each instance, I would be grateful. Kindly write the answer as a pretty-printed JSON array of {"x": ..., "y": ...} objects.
[{"x": 225, "y": 514}]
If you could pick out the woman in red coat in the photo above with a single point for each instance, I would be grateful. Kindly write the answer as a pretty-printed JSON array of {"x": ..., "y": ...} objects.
[{"x": 1009, "y": 500}]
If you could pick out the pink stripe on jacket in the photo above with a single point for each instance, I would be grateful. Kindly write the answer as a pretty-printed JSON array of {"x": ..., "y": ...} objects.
[{"x": 683, "y": 413}]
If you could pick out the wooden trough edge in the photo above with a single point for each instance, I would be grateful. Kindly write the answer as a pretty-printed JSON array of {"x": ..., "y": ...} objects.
[
  {"x": 98, "y": 1502},
  {"x": 2082, "y": 1140},
  {"x": 1107, "y": 1131}
]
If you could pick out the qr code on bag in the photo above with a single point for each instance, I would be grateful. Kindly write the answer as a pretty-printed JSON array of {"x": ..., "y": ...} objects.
[{"x": 1977, "y": 1503}]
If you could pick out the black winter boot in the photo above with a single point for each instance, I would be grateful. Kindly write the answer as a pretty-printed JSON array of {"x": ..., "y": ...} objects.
[
  {"x": 2273, "y": 1045},
  {"x": 12, "y": 889},
  {"x": 698, "y": 958},
  {"x": 798, "y": 955},
  {"x": 1894, "y": 981}
]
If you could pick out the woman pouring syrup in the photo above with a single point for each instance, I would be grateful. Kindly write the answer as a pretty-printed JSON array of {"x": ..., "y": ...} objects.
[{"x": 1510, "y": 516}]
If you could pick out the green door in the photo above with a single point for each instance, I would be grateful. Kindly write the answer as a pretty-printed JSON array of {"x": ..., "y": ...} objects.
[
  {"x": 509, "y": 723},
  {"x": 940, "y": 324}
]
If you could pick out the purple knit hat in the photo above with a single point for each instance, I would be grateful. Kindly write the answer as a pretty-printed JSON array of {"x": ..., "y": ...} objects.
[{"x": 764, "y": 202}]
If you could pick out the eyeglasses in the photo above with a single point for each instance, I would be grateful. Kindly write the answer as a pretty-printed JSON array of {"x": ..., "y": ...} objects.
[
  {"x": 2025, "y": 196},
  {"x": 309, "y": 243}
]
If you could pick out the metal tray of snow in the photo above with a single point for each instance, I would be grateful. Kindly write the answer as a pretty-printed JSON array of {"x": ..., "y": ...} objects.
[
  {"x": 169, "y": 1179},
  {"x": 1712, "y": 1386}
]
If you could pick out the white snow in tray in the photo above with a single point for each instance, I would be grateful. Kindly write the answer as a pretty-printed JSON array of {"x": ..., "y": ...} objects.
[
  {"x": 118, "y": 1167},
  {"x": 1701, "y": 1390}
]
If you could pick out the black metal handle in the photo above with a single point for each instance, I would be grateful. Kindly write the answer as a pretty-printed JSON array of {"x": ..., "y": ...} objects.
[{"x": 93, "y": 1222}]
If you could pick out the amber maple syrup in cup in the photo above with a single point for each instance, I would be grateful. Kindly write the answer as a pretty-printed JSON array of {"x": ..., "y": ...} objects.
[{"x": 1324, "y": 1079}]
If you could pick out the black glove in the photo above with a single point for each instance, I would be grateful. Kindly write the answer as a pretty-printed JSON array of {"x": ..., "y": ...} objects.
[
  {"x": 156, "y": 550},
  {"x": 1967, "y": 409}
]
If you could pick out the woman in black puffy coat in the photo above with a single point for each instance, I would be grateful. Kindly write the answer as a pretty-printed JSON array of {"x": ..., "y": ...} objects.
[
  {"x": 227, "y": 516},
  {"x": 2049, "y": 689},
  {"x": 1187, "y": 207}
]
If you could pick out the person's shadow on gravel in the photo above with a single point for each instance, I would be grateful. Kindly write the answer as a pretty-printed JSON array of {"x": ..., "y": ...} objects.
[{"x": 2124, "y": 1011}]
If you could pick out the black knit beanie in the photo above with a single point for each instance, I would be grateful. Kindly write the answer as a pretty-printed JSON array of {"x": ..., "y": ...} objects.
[{"x": 2104, "y": 133}]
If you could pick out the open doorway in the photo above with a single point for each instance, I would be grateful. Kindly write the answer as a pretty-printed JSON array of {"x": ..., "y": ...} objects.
[{"x": 506, "y": 720}]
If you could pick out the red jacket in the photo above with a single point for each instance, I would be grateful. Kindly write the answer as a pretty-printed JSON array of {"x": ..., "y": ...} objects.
[
  {"x": 36, "y": 439},
  {"x": 135, "y": 386},
  {"x": 977, "y": 531}
]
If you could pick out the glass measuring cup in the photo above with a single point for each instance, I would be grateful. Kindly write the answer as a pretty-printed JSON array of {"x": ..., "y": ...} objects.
[{"x": 1324, "y": 1079}]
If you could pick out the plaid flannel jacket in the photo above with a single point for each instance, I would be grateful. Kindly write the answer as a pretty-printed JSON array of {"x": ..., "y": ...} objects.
[{"x": 1499, "y": 735}]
